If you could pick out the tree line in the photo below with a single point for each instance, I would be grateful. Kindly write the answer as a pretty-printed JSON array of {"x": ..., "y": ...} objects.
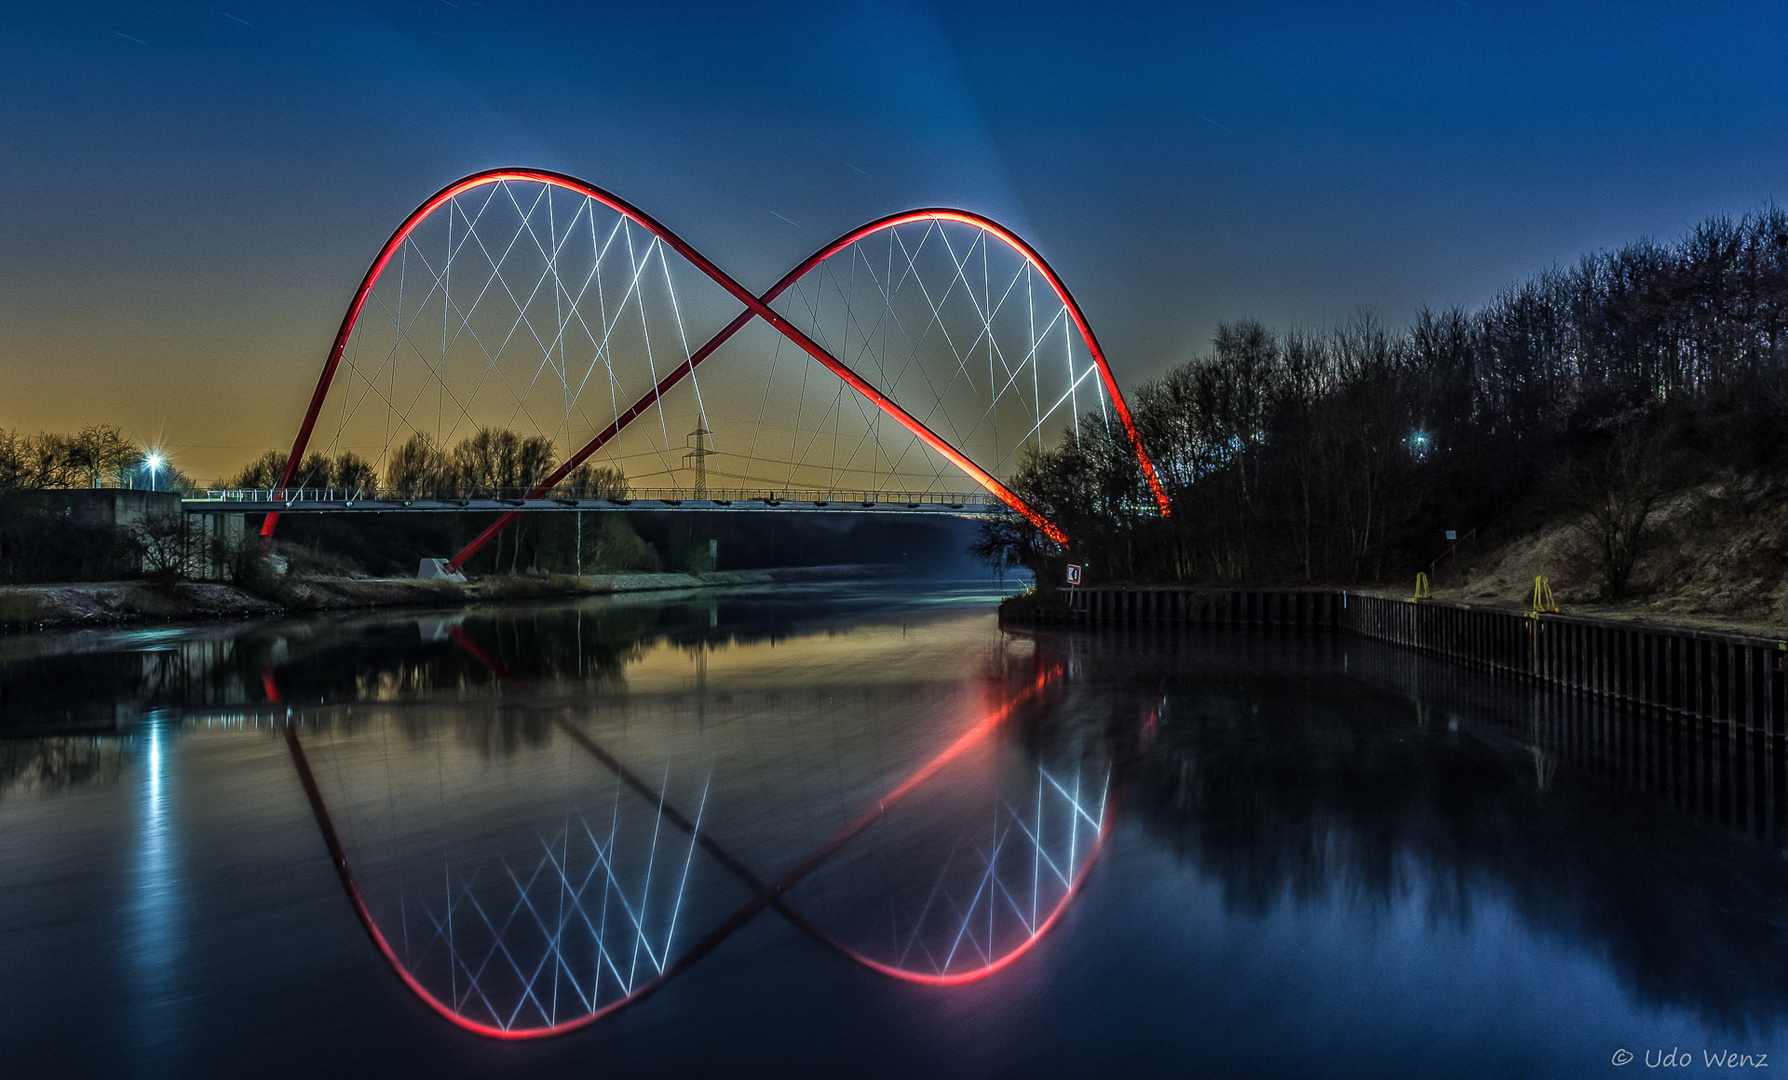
[
  {"x": 1345, "y": 454},
  {"x": 490, "y": 462},
  {"x": 95, "y": 455}
]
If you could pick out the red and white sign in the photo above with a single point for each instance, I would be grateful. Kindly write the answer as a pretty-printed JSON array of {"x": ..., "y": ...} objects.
[{"x": 1073, "y": 573}]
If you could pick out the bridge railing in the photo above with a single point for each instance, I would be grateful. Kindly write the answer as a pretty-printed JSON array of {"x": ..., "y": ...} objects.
[{"x": 721, "y": 497}]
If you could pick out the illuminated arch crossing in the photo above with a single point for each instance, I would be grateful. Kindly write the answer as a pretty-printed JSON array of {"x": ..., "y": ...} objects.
[
  {"x": 523, "y": 296},
  {"x": 565, "y": 929}
]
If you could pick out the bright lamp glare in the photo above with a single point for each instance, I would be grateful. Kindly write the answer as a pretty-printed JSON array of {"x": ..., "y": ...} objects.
[{"x": 155, "y": 461}]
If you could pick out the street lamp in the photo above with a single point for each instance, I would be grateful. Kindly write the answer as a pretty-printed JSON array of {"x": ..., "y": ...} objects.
[{"x": 154, "y": 464}]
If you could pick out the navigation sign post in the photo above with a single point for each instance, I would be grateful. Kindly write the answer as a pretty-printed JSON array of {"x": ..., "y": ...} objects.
[{"x": 1073, "y": 580}]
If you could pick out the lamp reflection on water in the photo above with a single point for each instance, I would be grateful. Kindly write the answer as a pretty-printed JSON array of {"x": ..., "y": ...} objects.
[{"x": 153, "y": 940}]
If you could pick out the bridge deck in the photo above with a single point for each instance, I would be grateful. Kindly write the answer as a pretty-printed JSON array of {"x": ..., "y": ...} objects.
[{"x": 335, "y": 501}]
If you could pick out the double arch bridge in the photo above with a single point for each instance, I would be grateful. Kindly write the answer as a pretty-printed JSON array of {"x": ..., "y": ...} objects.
[{"x": 521, "y": 318}]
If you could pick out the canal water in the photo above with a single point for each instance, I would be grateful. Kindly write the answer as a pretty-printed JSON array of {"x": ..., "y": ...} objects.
[{"x": 844, "y": 830}]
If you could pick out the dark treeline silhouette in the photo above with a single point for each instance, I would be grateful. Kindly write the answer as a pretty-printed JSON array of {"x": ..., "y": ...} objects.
[
  {"x": 490, "y": 462},
  {"x": 96, "y": 454},
  {"x": 1345, "y": 455},
  {"x": 99, "y": 455}
]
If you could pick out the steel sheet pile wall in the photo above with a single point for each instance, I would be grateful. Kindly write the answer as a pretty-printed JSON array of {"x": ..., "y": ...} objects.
[
  {"x": 1704, "y": 722},
  {"x": 1310, "y": 609},
  {"x": 1721, "y": 771},
  {"x": 1728, "y": 678}
]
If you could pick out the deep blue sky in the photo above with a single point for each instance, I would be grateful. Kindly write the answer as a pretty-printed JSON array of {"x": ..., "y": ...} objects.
[{"x": 193, "y": 190}]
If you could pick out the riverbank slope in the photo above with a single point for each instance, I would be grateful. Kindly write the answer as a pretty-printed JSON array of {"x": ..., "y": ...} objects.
[{"x": 108, "y": 603}]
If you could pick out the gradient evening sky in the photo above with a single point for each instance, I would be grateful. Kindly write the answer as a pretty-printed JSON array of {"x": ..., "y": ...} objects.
[{"x": 193, "y": 190}]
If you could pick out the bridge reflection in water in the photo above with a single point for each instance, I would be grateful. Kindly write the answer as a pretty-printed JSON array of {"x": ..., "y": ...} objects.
[
  {"x": 533, "y": 894},
  {"x": 868, "y": 803}
]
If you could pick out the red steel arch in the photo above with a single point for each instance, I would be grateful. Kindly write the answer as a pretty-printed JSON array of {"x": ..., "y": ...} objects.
[
  {"x": 755, "y": 307},
  {"x": 1016, "y": 243}
]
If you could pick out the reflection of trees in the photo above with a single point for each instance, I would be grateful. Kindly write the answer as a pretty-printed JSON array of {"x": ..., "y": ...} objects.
[
  {"x": 496, "y": 733},
  {"x": 388, "y": 656},
  {"x": 105, "y": 689},
  {"x": 563, "y": 644},
  {"x": 1293, "y": 788},
  {"x": 1279, "y": 804},
  {"x": 54, "y": 764}
]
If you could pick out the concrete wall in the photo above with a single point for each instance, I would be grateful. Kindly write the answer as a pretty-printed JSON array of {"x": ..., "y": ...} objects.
[
  {"x": 109, "y": 507},
  {"x": 109, "y": 527}
]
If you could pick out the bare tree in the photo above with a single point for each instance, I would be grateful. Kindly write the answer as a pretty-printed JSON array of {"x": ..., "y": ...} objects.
[
  {"x": 589, "y": 481},
  {"x": 167, "y": 545},
  {"x": 1614, "y": 495},
  {"x": 353, "y": 473},
  {"x": 16, "y": 465},
  {"x": 101, "y": 450},
  {"x": 263, "y": 472},
  {"x": 418, "y": 467},
  {"x": 52, "y": 460},
  {"x": 496, "y": 462}
]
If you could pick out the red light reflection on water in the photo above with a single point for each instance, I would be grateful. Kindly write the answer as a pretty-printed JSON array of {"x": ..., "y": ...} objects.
[{"x": 1001, "y": 919}]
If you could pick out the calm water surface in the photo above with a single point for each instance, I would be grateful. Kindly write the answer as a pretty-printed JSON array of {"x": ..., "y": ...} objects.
[{"x": 845, "y": 831}]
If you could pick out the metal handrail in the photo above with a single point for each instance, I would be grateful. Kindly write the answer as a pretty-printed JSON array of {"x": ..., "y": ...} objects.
[{"x": 286, "y": 496}]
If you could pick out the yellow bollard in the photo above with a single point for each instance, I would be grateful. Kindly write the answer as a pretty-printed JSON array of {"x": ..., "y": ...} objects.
[
  {"x": 1422, "y": 592},
  {"x": 1543, "y": 604}
]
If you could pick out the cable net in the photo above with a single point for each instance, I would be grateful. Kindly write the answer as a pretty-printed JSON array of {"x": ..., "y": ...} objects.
[
  {"x": 510, "y": 324},
  {"x": 950, "y": 322},
  {"x": 522, "y": 322}
]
